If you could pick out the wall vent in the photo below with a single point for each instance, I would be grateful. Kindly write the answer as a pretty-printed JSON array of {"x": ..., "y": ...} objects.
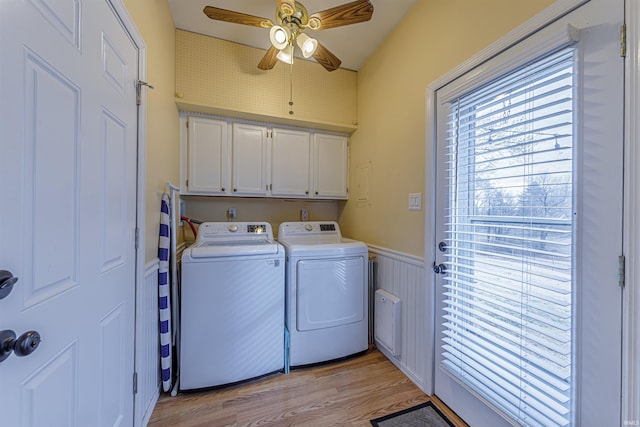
[{"x": 388, "y": 324}]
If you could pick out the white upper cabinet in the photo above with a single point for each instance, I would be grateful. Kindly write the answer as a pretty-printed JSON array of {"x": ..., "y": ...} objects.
[
  {"x": 250, "y": 160},
  {"x": 290, "y": 164},
  {"x": 235, "y": 158},
  {"x": 330, "y": 166},
  {"x": 207, "y": 153}
]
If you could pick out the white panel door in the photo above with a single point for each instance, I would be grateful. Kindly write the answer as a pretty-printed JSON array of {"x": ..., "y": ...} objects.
[
  {"x": 250, "y": 161},
  {"x": 595, "y": 225},
  {"x": 67, "y": 224},
  {"x": 290, "y": 163}
]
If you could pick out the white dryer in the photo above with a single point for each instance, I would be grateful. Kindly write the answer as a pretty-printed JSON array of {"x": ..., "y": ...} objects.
[
  {"x": 231, "y": 305},
  {"x": 326, "y": 292}
]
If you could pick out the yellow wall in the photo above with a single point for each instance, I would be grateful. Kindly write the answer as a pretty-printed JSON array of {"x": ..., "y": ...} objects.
[
  {"x": 154, "y": 22},
  {"x": 224, "y": 78},
  {"x": 435, "y": 37}
]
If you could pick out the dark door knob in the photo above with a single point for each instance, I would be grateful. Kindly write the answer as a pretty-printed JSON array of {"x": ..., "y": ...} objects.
[
  {"x": 7, "y": 280},
  {"x": 24, "y": 345},
  {"x": 439, "y": 268}
]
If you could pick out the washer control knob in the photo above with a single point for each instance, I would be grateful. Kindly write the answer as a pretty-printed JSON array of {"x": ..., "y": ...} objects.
[
  {"x": 233, "y": 228},
  {"x": 308, "y": 227}
]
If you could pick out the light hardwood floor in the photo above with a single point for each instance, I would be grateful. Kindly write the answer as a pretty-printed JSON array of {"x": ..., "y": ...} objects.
[{"x": 345, "y": 393}]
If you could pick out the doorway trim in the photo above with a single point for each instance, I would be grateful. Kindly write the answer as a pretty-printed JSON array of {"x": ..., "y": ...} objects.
[
  {"x": 141, "y": 187},
  {"x": 537, "y": 22},
  {"x": 631, "y": 243}
]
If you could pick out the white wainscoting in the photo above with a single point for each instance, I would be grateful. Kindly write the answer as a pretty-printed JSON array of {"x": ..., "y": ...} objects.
[
  {"x": 147, "y": 345},
  {"x": 403, "y": 275}
]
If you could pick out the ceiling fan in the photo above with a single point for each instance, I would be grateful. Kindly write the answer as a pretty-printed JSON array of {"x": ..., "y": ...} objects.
[{"x": 292, "y": 18}]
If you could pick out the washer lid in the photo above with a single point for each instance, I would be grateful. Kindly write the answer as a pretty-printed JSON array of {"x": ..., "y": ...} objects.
[
  {"x": 225, "y": 239},
  {"x": 223, "y": 249}
]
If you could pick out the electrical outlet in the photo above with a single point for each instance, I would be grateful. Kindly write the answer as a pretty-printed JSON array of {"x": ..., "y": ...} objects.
[
  {"x": 183, "y": 212},
  {"x": 304, "y": 214},
  {"x": 415, "y": 201},
  {"x": 231, "y": 213}
]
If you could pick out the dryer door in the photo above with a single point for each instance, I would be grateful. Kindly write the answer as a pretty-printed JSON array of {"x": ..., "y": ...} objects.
[{"x": 330, "y": 293}]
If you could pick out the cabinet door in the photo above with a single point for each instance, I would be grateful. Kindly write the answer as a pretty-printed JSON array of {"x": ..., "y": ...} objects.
[
  {"x": 330, "y": 166},
  {"x": 207, "y": 156},
  {"x": 249, "y": 164},
  {"x": 290, "y": 163}
]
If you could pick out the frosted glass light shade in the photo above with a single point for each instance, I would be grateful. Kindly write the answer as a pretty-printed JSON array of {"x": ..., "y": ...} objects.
[
  {"x": 306, "y": 44},
  {"x": 286, "y": 55},
  {"x": 279, "y": 36}
]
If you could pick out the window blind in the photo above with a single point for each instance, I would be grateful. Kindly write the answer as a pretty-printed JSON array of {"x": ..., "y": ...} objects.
[{"x": 508, "y": 323}]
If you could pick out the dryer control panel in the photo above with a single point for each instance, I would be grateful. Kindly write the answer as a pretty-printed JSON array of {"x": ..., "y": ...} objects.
[{"x": 311, "y": 228}]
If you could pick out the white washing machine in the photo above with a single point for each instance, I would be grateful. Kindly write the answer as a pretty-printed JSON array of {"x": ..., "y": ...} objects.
[
  {"x": 326, "y": 292},
  {"x": 231, "y": 305}
]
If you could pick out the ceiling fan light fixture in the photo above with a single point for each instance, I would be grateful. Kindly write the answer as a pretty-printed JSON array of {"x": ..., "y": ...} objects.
[
  {"x": 286, "y": 54},
  {"x": 306, "y": 44},
  {"x": 279, "y": 36}
]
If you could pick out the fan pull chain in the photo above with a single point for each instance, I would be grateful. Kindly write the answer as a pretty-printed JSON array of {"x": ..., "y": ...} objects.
[{"x": 291, "y": 90}]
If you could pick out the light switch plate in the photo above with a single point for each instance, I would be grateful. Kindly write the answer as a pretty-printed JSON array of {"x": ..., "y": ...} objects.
[{"x": 415, "y": 201}]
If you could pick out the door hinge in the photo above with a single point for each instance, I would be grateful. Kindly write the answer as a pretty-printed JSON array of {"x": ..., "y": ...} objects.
[
  {"x": 621, "y": 271},
  {"x": 135, "y": 383},
  {"x": 137, "y": 238},
  {"x": 623, "y": 40}
]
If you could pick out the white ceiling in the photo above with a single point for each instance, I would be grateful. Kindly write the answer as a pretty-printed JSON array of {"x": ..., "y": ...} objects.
[{"x": 353, "y": 44}]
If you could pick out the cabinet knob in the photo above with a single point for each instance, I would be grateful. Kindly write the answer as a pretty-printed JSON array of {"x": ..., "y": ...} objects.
[
  {"x": 235, "y": 189},
  {"x": 316, "y": 193},
  {"x": 306, "y": 192},
  {"x": 222, "y": 189}
]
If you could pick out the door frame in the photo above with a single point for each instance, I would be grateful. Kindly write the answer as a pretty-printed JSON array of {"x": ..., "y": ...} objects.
[
  {"x": 537, "y": 22},
  {"x": 122, "y": 14},
  {"x": 631, "y": 236},
  {"x": 631, "y": 196}
]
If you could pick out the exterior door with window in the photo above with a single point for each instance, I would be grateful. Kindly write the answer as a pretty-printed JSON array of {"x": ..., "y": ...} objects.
[{"x": 529, "y": 210}]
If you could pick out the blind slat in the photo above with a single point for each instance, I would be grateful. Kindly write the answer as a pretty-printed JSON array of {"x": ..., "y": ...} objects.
[{"x": 558, "y": 381}]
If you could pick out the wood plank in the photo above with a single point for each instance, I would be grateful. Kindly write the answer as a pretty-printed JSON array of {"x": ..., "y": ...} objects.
[{"x": 345, "y": 393}]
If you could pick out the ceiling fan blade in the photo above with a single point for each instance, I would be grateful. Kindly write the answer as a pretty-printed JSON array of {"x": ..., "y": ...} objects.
[
  {"x": 269, "y": 59},
  {"x": 236, "y": 17},
  {"x": 288, "y": 7},
  {"x": 327, "y": 59},
  {"x": 346, "y": 14}
]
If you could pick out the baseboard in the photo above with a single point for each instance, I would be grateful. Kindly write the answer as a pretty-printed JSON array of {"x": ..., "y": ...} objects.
[
  {"x": 149, "y": 409},
  {"x": 405, "y": 370}
]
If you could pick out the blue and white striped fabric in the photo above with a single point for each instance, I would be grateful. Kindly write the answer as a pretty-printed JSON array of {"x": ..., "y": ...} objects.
[{"x": 164, "y": 290}]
